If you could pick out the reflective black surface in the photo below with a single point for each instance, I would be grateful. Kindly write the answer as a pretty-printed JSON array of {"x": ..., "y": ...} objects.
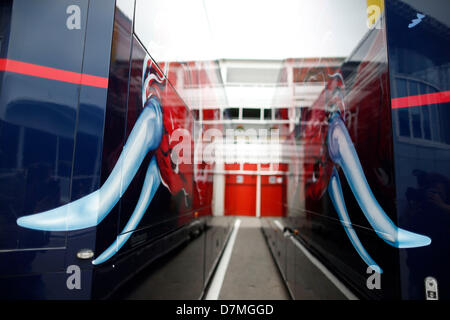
[{"x": 418, "y": 67}]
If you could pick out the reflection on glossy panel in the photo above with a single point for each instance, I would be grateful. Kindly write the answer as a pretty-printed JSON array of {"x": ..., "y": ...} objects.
[
  {"x": 333, "y": 218},
  {"x": 400, "y": 151},
  {"x": 106, "y": 133},
  {"x": 101, "y": 160},
  {"x": 419, "y": 81}
]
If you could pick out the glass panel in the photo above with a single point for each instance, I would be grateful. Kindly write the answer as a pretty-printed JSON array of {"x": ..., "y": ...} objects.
[
  {"x": 231, "y": 113},
  {"x": 267, "y": 114},
  {"x": 416, "y": 123},
  {"x": 426, "y": 123},
  {"x": 403, "y": 119},
  {"x": 251, "y": 113}
]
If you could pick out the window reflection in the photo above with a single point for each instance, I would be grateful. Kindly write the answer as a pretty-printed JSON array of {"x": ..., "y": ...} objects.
[
  {"x": 174, "y": 30},
  {"x": 422, "y": 123},
  {"x": 127, "y": 8}
]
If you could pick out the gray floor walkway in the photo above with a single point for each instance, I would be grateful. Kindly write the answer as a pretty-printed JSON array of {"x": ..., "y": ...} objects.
[{"x": 252, "y": 273}]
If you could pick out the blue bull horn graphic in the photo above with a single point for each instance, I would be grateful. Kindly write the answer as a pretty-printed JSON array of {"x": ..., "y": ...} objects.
[
  {"x": 335, "y": 192},
  {"x": 90, "y": 210},
  {"x": 151, "y": 184},
  {"x": 343, "y": 153}
]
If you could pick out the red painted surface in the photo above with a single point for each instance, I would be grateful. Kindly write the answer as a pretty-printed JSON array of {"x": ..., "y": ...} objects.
[
  {"x": 250, "y": 166},
  {"x": 240, "y": 198},
  {"x": 421, "y": 100},
  {"x": 232, "y": 166},
  {"x": 273, "y": 194},
  {"x": 52, "y": 73}
]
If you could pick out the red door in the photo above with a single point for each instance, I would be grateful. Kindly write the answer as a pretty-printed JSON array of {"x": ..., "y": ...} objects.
[
  {"x": 240, "y": 195},
  {"x": 273, "y": 193}
]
